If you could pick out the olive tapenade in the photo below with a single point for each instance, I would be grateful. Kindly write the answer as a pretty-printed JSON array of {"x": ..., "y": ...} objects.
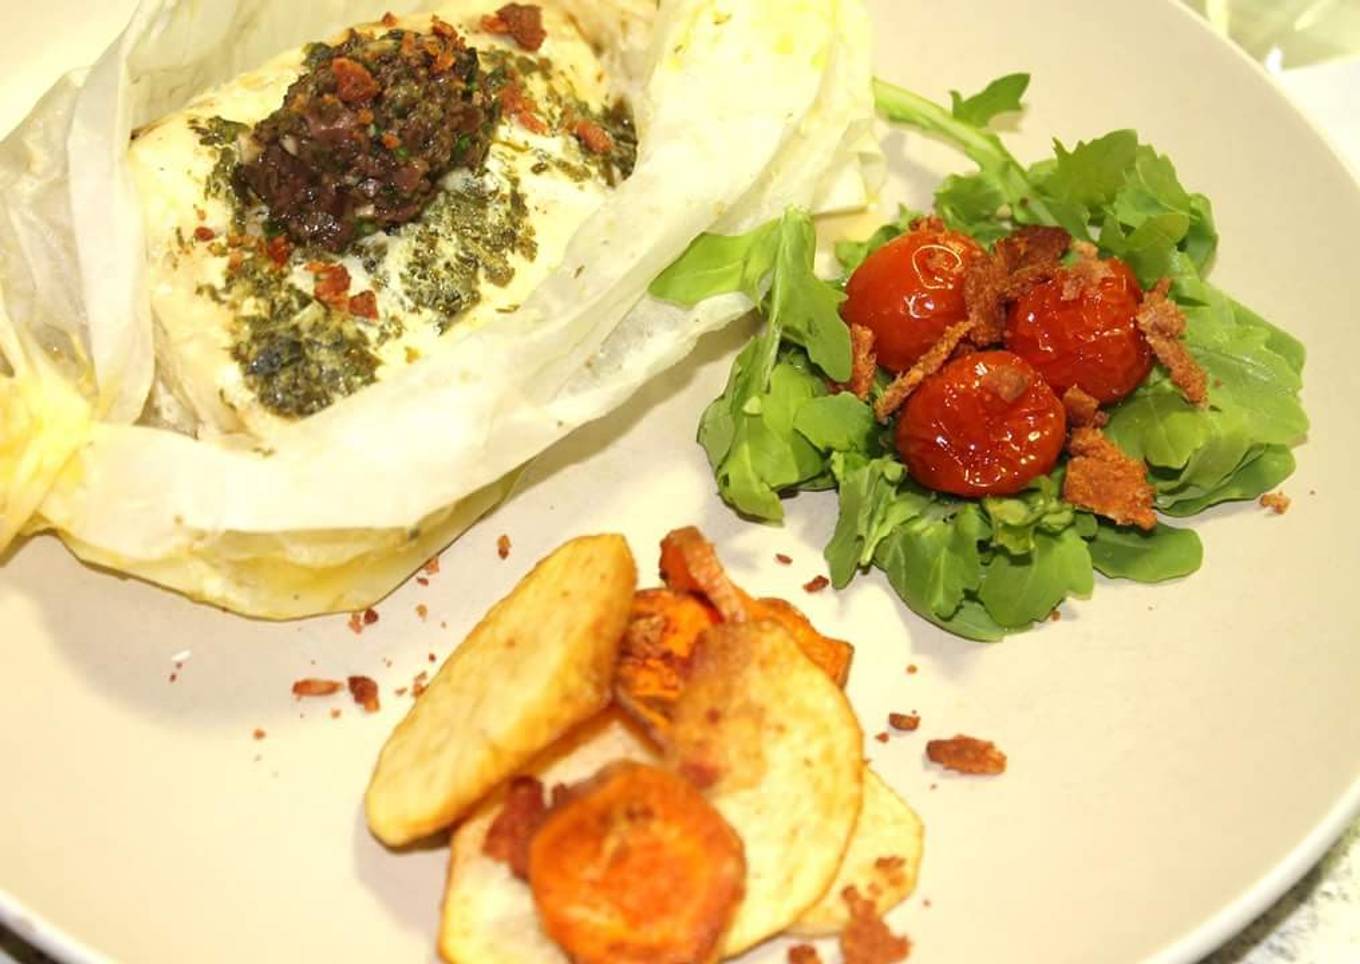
[{"x": 365, "y": 134}]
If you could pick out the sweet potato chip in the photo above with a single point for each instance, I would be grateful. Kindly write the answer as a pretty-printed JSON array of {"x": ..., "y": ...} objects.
[
  {"x": 636, "y": 866},
  {"x": 881, "y": 862},
  {"x": 689, "y": 563},
  {"x": 541, "y": 661},
  {"x": 663, "y": 630},
  {"x": 489, "y": 915},
  {"x": 775, "y": 745}
]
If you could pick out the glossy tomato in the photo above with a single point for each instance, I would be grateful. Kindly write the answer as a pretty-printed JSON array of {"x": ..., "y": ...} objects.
[
  {"x": 985, "y": 424},
  {"x": 1083, "y": 334},
  {"x": 909, "y": 291}
]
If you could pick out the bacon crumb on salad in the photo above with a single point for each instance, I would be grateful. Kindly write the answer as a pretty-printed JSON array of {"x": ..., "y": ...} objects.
[
  {"x": 804, "y": 954},
  {"x": 1101, "y": 477},
  {"x": 907, "y": 722}
]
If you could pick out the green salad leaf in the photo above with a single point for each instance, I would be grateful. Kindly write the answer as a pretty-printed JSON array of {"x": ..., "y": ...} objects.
[
  {"x": 1001, "y": 96},
  {"x": 985, "y": 568},
  {"x": 1164, "y": 553}
]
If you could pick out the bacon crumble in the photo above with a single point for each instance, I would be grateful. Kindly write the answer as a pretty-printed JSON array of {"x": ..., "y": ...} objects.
[
  {"x": 1163, "y": 324},
  {"x": 311, "y": 686},
  {"x": 1104, "y": 479},
  {"x": 866, "y": 938},
  {"x": 503, "y": 546},
  {"x": 1276, "y": 502},
  {"x": 332, "y": 284},
  {"x": 816, "y": 584},
  {"x": 1083, "y": 411},
  {"x": 804, "y": 954},
  {"x": 365, "y": 693},
  {"x": 509, "y": 836},
  {"x": 522, "y": 22},
  {"x": 863, "y": 362},
  {"x": 966, "y": 754},
  {"x": 901, "y": 388},
  {"x": 907, "y": 722}
]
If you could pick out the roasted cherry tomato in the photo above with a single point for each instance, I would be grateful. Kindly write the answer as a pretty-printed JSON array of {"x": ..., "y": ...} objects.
[
  {"x": 909, "y": 291},
  {"x": 984, "y": 424},
  {"x": 1082, "y": 334}
]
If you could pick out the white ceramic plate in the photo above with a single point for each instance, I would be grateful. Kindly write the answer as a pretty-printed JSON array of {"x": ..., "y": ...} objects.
[{"x": 1178, "y": 754}]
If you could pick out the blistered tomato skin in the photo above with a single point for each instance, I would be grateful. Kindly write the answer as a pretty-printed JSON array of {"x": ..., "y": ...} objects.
[
  {"x": 985, "y": 424},
  {"x": 909, "y": 291},
  {"x": 1091, "y": 340}
]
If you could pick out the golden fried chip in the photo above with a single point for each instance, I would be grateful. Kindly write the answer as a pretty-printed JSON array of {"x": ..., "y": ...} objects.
[
  {"x": 541, "y": 661},
  {"x": 777, "y": 749},
  {"x": 489, "y": 915},
  {"x": 881, "y": 862},
  {"x": 635, "y": 865},
  {"x": 832, "y": 656}
]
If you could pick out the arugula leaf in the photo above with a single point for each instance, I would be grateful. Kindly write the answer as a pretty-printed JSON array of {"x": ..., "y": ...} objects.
[
  {"x": 999, "y": 97},
  {"x": 1020, "y": 590},
  {"x": 933, "y": 562},
  {"x": 873, "y": 503},
  {"x": 1092, "y": 173},
  {"x": 1120, "y": 552},
  {"x": 748, "y": 431},
  {"x": 804, "y": 306},
  {"x": 838, "y": 423},
  {"x": 971, "y": 204},
  {"x": 996, "y": 164},
  {"x": 1262, "y": 471},
  {"x": 716, "y": 264},
  {"x": 1040, "y": 508},
  {"x": 852, "y": 254}
]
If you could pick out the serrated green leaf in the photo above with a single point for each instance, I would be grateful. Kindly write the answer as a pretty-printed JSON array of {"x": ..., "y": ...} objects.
[
  {"x": 1092, "y": 173},
  {"x": 933, "y": 560},
  {"x": 999, "y": 97},
  {"x": 1120, "y": 552},
  {"x": 873, "y": 502},
  {"x": 970, "y": 203},
  {"x": 1020, "y": 590},
  {"x": 1040, "y": 508}
]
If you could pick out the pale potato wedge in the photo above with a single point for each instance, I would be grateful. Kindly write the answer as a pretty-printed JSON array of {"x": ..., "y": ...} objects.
[
  {"x": 541, "y": 661},
  {"x": 777, "y": 748},
  {"x": 489, "y": 915},
  {"x": 881, "y": 863}
]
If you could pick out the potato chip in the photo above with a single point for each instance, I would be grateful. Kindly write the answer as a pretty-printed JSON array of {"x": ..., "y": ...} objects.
[
  {"x": 832, "y": 656},
  {"x": 635, "y": 865},
  {"x": 881, "y": 862},
  {"x": 777, "y": 748},
  {"x": 489, "y": 915},
  {"x": 541, "y": 661}
]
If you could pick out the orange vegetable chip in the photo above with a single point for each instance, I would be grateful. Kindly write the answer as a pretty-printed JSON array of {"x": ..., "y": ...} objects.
[{"x": 636, "y": 866}]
